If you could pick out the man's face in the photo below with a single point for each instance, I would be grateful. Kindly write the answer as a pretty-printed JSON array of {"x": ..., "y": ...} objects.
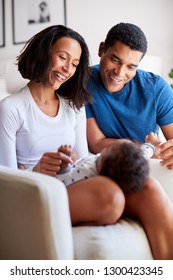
[{"x": 118, "y": 65}]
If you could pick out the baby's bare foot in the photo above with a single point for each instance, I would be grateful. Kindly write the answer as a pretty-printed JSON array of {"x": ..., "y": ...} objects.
[
  {"x": 153, "y": 138},
  {"x": 66, "y": 149}
]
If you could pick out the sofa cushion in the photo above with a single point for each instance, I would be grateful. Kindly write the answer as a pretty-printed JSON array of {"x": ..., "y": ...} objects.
[{"x": 124, "y": 240}]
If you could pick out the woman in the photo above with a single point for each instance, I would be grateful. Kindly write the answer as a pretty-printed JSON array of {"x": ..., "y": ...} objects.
[{"x": 47, "y": 113}]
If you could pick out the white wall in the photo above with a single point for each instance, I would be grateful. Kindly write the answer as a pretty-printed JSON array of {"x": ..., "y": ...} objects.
[{"x": 93, "y": 19}]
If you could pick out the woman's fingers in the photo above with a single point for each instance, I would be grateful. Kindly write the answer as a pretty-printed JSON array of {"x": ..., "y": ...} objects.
[{"x": 50, "y": 163}]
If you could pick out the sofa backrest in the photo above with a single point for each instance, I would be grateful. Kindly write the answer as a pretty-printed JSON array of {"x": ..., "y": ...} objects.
[{"x": 9, "y": 73}]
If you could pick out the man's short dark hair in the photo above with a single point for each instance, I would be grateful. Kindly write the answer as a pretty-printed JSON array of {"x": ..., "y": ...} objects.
[{"x": 129, "y": 34}]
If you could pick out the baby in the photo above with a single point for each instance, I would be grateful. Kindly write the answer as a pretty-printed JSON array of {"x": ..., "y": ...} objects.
[{"x": 123, "y": 161}]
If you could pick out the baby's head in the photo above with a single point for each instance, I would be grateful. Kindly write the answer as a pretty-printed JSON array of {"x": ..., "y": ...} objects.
[{"x": 123, "y": 161}]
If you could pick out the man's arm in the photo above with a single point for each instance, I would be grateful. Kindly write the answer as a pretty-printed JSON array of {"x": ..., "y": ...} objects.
[
  {"x": 96, "y": 139},
  {"x": 165, "y": 152},
  {"x": 167, "y": 131}
]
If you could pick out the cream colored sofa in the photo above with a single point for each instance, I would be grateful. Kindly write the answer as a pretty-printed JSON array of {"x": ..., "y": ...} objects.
[
  {"x": 35, "y": 222},
  {"x": 35, "y": 219}
]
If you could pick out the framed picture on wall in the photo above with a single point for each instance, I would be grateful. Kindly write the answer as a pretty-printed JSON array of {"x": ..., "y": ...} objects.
[
  {"x": 2, "y": 24},
  {"x": 31, "y": 16}
]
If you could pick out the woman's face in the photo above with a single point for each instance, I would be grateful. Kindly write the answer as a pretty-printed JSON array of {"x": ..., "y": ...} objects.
[{"x": 65, "y": 56}]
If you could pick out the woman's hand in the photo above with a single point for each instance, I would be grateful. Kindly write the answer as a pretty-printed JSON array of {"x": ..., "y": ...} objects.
[
  {"x": 50, "y": 163},
  {"x": 165, "y": 153}
]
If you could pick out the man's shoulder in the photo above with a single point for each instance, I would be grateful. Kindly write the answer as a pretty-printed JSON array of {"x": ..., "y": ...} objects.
[
  {"x": 94, "y": 82},
  {"x": 147, "y": 76},
  {"x": 149, "y": 79},
  {"x": 94, "y": 70}
]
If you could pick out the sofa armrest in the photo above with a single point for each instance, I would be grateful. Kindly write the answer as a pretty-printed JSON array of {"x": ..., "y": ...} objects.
[{"x": 34, "y": 217}]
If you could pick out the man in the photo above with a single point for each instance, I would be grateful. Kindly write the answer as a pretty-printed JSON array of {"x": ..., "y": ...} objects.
[{"x": 130, "y": 103}]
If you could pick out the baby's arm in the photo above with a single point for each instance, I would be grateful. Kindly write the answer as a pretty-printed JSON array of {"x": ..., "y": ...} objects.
[{"x": 154, "y": 140}]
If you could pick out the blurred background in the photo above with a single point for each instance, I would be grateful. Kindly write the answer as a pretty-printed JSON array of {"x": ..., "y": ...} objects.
[{"x": 92, "y": 19}]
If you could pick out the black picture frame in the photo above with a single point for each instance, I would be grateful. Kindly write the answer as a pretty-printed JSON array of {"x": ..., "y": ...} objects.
[
  {"x": 27, "y": 20},
  {"x": 2, "y": 24}
]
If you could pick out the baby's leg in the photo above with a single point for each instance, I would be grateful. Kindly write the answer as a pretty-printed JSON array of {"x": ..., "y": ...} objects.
[
  {"x": 153, "y": 138},
  {"x": 65, "y": 149}
]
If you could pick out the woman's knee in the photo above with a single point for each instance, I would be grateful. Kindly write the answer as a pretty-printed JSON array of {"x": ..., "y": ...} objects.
[
  {"x": 111, "y": 200},
  {"x": 95, "y": 201}
]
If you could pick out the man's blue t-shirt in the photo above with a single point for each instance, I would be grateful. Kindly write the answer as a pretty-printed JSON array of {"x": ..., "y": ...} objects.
[{"x": 144, "y": 104}]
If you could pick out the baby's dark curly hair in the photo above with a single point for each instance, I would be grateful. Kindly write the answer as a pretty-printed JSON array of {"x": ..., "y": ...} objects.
[
  {"x": 129, "y": 34},
  {"x": 126, "y": 166}
]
